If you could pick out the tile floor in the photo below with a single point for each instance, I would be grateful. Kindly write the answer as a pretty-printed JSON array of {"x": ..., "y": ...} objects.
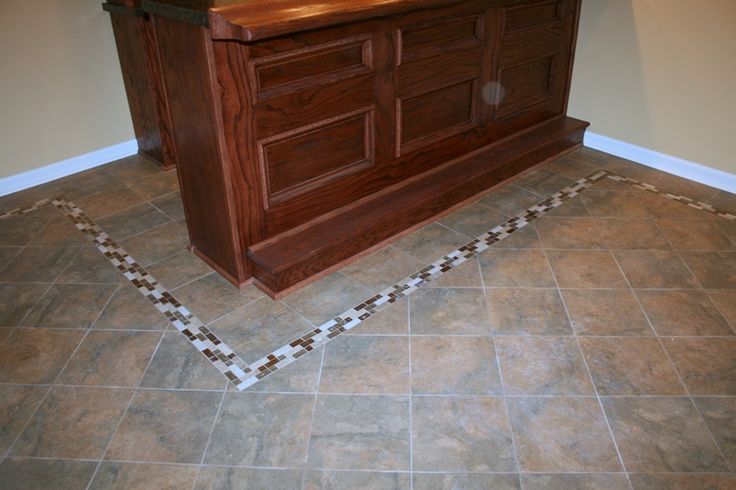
[{"x": 593, "y": 349}]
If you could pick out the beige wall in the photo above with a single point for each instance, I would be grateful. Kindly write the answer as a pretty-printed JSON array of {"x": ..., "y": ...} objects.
[
  {"x": 660, "y": 74},
  {"x": 61, "y": 92}
]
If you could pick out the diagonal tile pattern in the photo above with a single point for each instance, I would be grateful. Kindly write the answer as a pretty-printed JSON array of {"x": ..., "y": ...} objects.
[{"x": 573, "y": 346}]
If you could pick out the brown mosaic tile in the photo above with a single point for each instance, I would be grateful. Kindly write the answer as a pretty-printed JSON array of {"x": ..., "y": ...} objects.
[
  {"x": 90, "y": 266},
  {"x": 662, "y": 434},
  {"x": 179, "y": 269},
  {"x": 527, "y": 312},
  {"x": 132, "y": 221},
  {"x": 633, "y": 234},
  {"x": 590, "y": 481},
  {"x": 258, "y": 429},
  {"x": 175, "y": 365},
  {"x": 42, "y": 474},
  {"x": 156, "y": 185},
  {"x": 360, "y": 432},
  {"x": 605, "y": 312},
  {"x": 566, "y": 233},
  {"x": 542, "y": 182},
  {"x": 165, "y": 426},
  {"x": 466, "y": 481},
  {"x": 472, "y": 220},
  {"x": 138, "y": 475},
  {"x": 562, "y": 434},
  {"x": 696, "y": 235},
  {"x": 326, "y": 298},
  {"x": 630, "y": 366},
  {"x": 454, "y": 365},
  {"x": 157, "y": 243},
  {"x": 382, "y": 268},
  {"x": 461, "y": 434},
  {"x": 586, "y": 269},
  {"x": 683, "y": 313},
  {"x": 431, "y": 242},
  {"x": 212, "y": 297},
  {"x": 127, "y": 309},
  {"x": 35, "y": 356},
  {"x": 449, "y": 311},
  {"x": 111, "y": 358},
  {"x": 70, "y": 306},
  {"x": 170, "y": 204},
  {"x": 109, "y": 201},
  {"x": 16, "y": 300},
  {"x": 614, "y": 204},
  {"x": 215, "y": 478},
  {"x": 351, "y": 362},
  {"x": 655, "y": 269},
  {"x": 516, "y": 268},
  {"x": 682, "y": 481},
  {"x": 17, "y": 404},
  {"x": 714, "y": 270},
  {"x": 719, "y": 414},
  {"x": 95, "y": 413},
  {"x": 725, "y": 301},
  {"x": 261, "y": 327},
  {"x": 542, "y": 366},
  {"x": 707, "y": 365},
  {"x": 38, "y": 264},
  {"x": 340, "y": 480},
  {"x": 510, "y": 199}
]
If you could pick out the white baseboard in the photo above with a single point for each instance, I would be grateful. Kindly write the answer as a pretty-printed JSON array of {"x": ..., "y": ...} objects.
[
  {"x": 666, "y": 163},
  {"x": 37, "y": 176}
]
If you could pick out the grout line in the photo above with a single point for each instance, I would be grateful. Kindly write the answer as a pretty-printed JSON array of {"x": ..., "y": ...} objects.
[
  {"x": 411, "y": 397},
  {"x": 314, "y": 413},
  {"x": 209, "y": 436}
]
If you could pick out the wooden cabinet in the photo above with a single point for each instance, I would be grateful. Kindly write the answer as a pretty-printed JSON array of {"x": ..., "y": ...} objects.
[{"x": 306, "y": 138}]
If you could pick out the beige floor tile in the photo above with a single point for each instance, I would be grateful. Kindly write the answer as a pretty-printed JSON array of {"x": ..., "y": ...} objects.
[
  {"x": 510, "y": 199},
  {"x": 467, "y": 275},
  {"x": 170, "y": 204},
  {"x": 567, "y": 233},
  {"x": 574, "y": 208},
  {"x": 516, "y": 268},
  {"x": 142, "y": 475},
  {"x": 111, "y": 358},
  {"x": 707, "y": 365},
  {"x": 109, "y": 201},
  {"x": 454, "y": 365},
  {"x": 59, "y": 232},
  {"x": 586, "y": 269},
  {"x": 431, "y": 242},
  {"x": 326, "y": 298},
  {"x": 43, "y": 474},
  {"x": 38, "y": 264},
  {"x": 682, "y": 481},
  {"x": 527, "y": 312},
  {"x": 542, "y": 182},
  {"x": 382, "y": 268},
  {"x": 614, "y": 204},
  {"x": 655, "y": 269},
  {"x": 473, "y": 220},
  {"x": 165, "y": 426},
  {"x": 662, "y": 434},
  {"x": 714, "y": 270},
  {"x": 719, "y": 414},
  {"x": 664, "y": 208},
  {"x": 525, "y": 238},
  {"x": 179, "y": 269},
  {"x": 259, "y": 429},
  {"x": 156, "y": 185},
  {"x": 360, "y": 432},
  {"x": 132, "y": 221},
  {"x": 605, "y": 312},
  {"x": 562, "y": 434},
  {"x": 723, "y": 200},
  {"x": 73, "y": 423},
  {"x": 393, "y": 320},
  {"x": 572, "y": 167},
  {"x": 678, "y": 185},
  {"x": 355, "y": 480},
  {"x": 590, "y": 481},
  {"x": 17, "y": 404},
  {"x": 36, "y": 356},
  {"x": 215, "y": 478},
  {"x": 630, "y": 366},
  {"x": 91, "y": 267},
  {"x": 466, "y": 481},
  {"x": 449, "y": 311},
  {"x": 696, "y": 235},
  {"x": 6, "y": 254},
  {"x": 366, "y": 364},
  {"x": 16, "y": 300},
  {"x": 725, "y": 301},
  {"x": 682, "y": 313},
  {"x": 129, "y": 309},
  {"x": 133, "y": 168},
  {"x": 157, "y": 243},
  {"x": 212, "y": 297},
  {"x": 19, "y": 230},
  {"x": 70, "y": 306},
  {"x": 542, "y": 366},
  {"x": 299, "y": 377},
  {"x": 633, "y": 234},
  {"x": 461, "y": 434}
]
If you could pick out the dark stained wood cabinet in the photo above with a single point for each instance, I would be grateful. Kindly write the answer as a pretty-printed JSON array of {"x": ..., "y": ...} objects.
[
  {"x": 308, "y": 133},
  {"x": 137, "y": 48}
]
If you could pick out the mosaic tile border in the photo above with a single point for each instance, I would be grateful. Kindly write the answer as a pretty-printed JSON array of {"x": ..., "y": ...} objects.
[{"x": 243, "y": 375}]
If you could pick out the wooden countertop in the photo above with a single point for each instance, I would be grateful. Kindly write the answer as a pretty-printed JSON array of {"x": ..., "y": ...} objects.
[{"x": 252, "y": 20}]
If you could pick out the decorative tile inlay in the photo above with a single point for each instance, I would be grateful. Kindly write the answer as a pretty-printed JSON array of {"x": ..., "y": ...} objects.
[{"x": 243, "y": 375}]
